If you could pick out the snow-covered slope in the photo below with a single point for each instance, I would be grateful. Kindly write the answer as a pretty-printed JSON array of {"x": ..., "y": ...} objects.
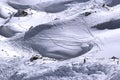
[{"x": 59, "y": 40}]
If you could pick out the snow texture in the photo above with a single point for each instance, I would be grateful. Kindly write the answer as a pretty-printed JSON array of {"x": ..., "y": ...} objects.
[{"x": 59, "y": 39}]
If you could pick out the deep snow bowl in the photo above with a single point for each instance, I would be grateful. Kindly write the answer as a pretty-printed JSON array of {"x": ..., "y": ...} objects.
[
  {"x": 61, "y": 52},
  {"x": 51, "y": 42}
]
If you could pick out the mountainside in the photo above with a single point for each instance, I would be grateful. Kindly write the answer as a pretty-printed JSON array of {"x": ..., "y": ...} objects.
[{"x": 59, "y": 39}]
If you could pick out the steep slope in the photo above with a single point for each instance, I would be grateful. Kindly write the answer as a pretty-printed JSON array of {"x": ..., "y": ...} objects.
[{"x": 59, "y": 40}]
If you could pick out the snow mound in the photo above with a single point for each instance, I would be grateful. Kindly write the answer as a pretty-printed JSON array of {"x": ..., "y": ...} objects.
[{"x": 52, "y": 40}]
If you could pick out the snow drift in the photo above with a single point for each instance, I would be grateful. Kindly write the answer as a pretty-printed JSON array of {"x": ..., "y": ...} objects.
[
  {"x": 52, "y": 40},
  {"x": 60, "y": 38}
]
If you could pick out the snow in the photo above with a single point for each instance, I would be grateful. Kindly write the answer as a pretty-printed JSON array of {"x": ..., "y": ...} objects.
[
  {"x": 68, "y": 43},
  {"x": 24, "y": 2}
]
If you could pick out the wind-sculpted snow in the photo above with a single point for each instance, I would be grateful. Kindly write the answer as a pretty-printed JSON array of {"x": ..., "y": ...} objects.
[
  {"x": 7, "y": 68},
  {"x": 7, "y": 32},
  {"x": 57, "y": 40},
  {"x": 57, "y": 7},
  {"x": 74, "y": 71},
  {"x": 17, "y": 6},
  {"x": 24, "y": 2},
  {"x": 115, "y": 76},
  {"x": 49, "y": 7},
  {"x": 114, "y": 3},
  {"x": 53, "y": 40},
  {"x": 113, "y": 24}
]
